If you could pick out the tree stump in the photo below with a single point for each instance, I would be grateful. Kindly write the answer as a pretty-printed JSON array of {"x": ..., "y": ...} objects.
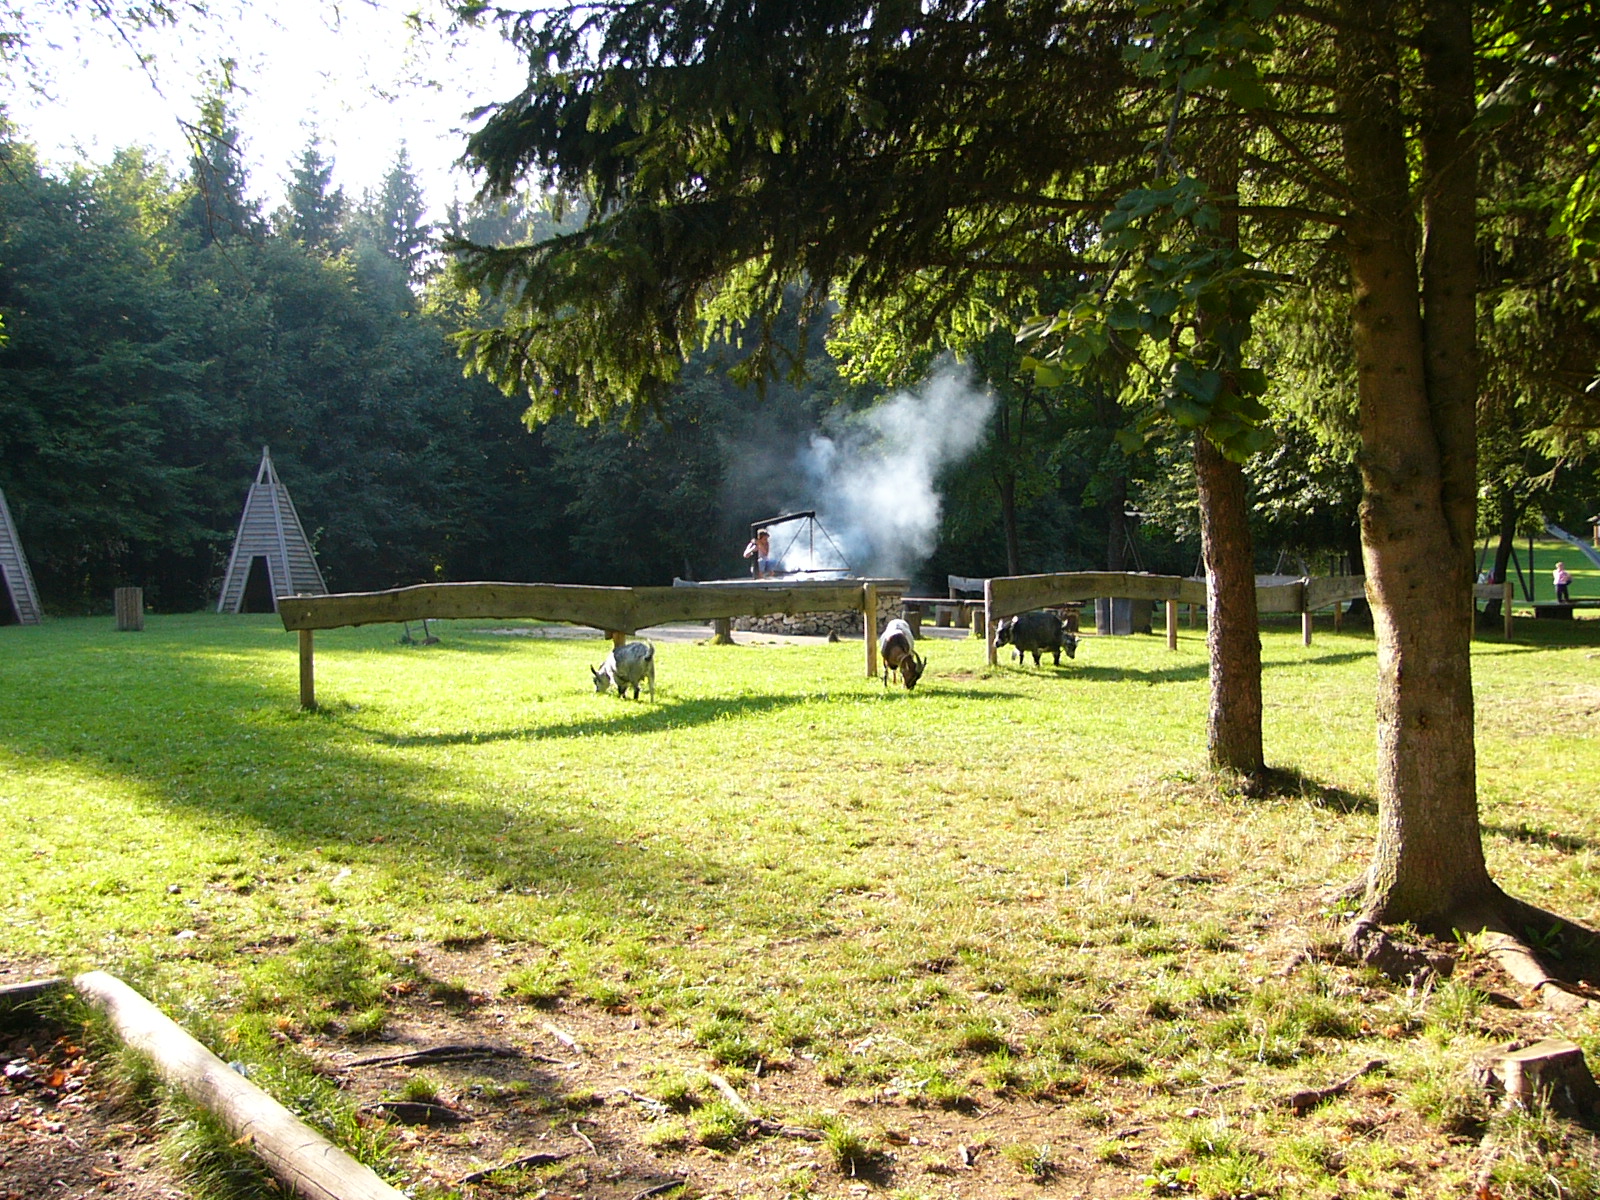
[
  {"x": 129, "y": 603},
  {"x": 1549, "y": 1072}
]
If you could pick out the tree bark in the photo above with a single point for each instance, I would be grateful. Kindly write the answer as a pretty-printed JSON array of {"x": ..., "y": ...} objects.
[
  {"x": 1416, "y": 383},
  {"x": 1114, "y": 501},
  {"x": 1008, "y": 521},
  {"x": 1233, "y": 721},
  {"x": 1510, "y": 511}
]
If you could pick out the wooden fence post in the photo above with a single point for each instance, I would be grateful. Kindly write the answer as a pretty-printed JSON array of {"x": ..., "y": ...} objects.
[
  {"x": 1172, "y": 624},
  {"x": 869, "y": 626},
  {"x": 1505, "y": 606},
  {"x": 1338, "y": 615},
  {"x": 988, "y": 621},
  {"x": 129, "y": 602},
  {"x": 722, "y": 631},
  {"x": 308, "y": 681},
  {"x": 618, "y": 638}
]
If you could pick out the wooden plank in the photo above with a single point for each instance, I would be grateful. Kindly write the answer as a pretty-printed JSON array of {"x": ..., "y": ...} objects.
[
  {"x": 1324, "y": 590},
  {"x": 18, "y": 995},
  {"x": 1010, "y": 595},
  {"x": 604, "y": 608},
  {"x": 626, "y": 610},
  {"x": 658, "y": 605},
  {"x": 298, "y": 1155}
]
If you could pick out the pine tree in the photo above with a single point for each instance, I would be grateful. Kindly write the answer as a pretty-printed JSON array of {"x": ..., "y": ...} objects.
[{"x": 316, "y": 209}]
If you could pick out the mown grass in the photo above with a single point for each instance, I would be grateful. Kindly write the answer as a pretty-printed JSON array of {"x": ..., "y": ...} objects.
[{"x": 1012, "y": 885}]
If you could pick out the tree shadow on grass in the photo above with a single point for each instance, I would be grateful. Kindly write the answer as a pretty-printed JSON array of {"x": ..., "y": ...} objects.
[
  {"x": 1288, "y": 783},
  {"x": 1529, "y": 835},
  {"x": 641, "y": 717},
  {"x": 202, "y": 724}
]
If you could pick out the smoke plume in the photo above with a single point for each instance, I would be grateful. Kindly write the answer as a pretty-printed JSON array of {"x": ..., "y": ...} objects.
[{"x": 872, "y": 479}]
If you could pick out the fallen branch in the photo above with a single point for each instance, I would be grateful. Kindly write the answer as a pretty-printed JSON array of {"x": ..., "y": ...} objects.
[
  {"x": 298, "y": 1155},
  {"x": 658, "y": 1188},
  {"x": 649, "y": 1102},
  {"x": 1304, "y": 1102},
  {"x": 565, "y": 1038},
  {"x": 732, "y": 1097},
  {"x": 542, "y": 1159},
  {"x": 584, "y": 1138},
  {"x": 445, "y": 1053},
  {"x": 790, "y": 1131}
]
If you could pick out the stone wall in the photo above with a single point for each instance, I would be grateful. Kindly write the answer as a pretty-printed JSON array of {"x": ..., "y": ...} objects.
[{"x": 820, "y": 624}]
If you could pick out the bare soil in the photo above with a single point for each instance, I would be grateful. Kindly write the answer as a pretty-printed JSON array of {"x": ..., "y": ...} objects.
[{"x": 64, "y": 1132}]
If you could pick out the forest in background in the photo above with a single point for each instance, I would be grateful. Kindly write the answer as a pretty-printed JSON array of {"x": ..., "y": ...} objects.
[{"x": 160, "y": 329}]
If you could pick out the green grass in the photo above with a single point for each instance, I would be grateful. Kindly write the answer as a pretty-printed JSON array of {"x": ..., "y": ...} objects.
[
  {"x": 1547, "y": 552},
  {"x": 1014, "y": 886}
]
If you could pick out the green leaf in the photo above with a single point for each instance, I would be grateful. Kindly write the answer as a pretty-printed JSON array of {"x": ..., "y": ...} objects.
[{"x": 1047, "y": 376}]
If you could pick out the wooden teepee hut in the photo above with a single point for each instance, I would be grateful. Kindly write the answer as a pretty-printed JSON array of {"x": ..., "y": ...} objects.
[
  {"x": 271, "y": 553},
  {"x": 16, "y": 581}
]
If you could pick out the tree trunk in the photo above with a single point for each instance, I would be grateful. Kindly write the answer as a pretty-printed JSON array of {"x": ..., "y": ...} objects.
[
  {"x": 1233, "y": 722},
  {"x": 1115, "y": 507},
  {"x": 1416, "y": 385},
  {"x": 1510, "y": 510},
  {"x": 1008, "y": 521},
  {"x": 1114, "y": 495}
]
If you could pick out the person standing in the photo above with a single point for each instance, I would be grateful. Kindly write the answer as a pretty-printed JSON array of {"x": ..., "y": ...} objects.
[
  {"x": 760, "y": 549},
  {"x": 1562, "y": 578}
]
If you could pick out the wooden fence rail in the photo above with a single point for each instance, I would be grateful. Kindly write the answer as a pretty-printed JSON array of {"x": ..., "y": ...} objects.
[{"x": 619, "y": 611}]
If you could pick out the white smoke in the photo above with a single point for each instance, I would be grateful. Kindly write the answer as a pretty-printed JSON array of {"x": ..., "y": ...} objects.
[{"x": 872, "y": 482}]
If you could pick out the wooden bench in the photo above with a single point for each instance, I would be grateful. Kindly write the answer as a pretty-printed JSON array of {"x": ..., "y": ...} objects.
[{"x": 963, "y": 614}]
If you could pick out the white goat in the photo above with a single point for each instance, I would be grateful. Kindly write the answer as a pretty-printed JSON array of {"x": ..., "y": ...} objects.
[
  {"x": 626, "y": 666},
  {"x": 897, "y": 646}
]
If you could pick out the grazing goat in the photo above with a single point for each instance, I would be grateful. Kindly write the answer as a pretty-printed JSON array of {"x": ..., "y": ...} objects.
[
  {"x": 897, "y": 646},
  {"x": 1037, "y": 632},
  {"x": 627, "y": 666}
]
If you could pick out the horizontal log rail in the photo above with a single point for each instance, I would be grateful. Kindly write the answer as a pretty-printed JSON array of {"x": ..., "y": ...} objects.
[
  {"x": 1011, "y": 595},
  {"x": 619, "y": 611}
]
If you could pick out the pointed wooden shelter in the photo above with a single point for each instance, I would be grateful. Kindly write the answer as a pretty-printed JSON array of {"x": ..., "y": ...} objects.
[
  {"x": 15, "y": 578},
  {"x": 271, "y": 553}
]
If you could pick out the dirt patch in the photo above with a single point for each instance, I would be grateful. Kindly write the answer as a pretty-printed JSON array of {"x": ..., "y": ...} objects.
[
  {"x": 571, "y": 1090},
  {"x": 63, "y": 1133}
]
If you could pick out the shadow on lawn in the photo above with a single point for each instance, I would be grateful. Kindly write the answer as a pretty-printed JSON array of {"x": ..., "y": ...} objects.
[
  {"x": 640, "y": 717},
  {"x": 205, "y": 725},
  {"x": 1528, "y": 835}
]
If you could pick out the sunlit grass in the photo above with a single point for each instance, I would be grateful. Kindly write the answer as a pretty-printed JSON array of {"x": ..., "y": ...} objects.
[{"x": 1014, "y": 883}]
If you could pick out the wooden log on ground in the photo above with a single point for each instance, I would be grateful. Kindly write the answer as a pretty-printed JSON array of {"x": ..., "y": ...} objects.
[
  {"x": 300, "y": 1157},
  {"x": 19, "y": 995},
  {"x": 129, "y": 605}
]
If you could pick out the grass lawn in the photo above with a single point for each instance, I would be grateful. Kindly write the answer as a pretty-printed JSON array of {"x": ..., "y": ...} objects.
[{"x": 1000, "y": 936}]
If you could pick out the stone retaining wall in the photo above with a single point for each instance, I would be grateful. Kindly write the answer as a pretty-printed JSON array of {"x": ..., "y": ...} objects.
[{"x": 820, "y": 624}]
